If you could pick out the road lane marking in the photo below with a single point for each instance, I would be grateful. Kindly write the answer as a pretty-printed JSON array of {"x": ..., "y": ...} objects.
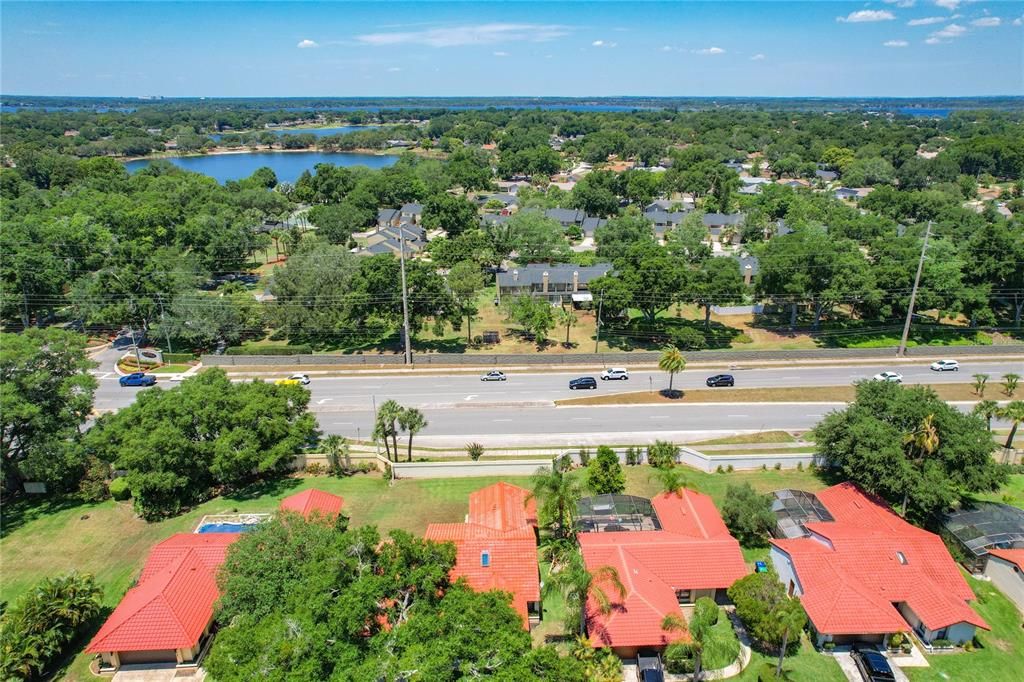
[
  {"x": 737, "y": 415},
  {"x": 581, "y": 419},
  {"x": 659, "y": 416},
  {"x": 470, "y": 397},
  {"x": 324, "y": 400},
  {"x": 501, "y": 420}
]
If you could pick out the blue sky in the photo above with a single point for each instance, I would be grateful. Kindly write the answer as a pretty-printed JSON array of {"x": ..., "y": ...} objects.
[{"x": 759, "y": 48}]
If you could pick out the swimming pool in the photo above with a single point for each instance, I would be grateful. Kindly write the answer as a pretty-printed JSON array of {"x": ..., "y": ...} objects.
[
  {"x": 225, "y": 527},
  {"x": 230, "y": 523}
]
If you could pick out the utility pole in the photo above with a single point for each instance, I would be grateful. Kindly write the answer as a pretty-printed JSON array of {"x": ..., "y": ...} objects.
[
  {"x": 597, "y": 327},
  {"x": 405, "y": 299},
  {"x": 163, "y": 323},
  {"x": 913, "y": 294}
]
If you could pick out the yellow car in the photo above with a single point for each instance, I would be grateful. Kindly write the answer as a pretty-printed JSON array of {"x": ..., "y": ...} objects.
[{"x": 294, "y": 380}]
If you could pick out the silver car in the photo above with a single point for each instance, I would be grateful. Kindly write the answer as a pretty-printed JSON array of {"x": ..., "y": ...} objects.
[{"x": 493, "y": 375}]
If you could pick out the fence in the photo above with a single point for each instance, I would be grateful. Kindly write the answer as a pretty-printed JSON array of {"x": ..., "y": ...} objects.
[{"x": 604, "y": 359}]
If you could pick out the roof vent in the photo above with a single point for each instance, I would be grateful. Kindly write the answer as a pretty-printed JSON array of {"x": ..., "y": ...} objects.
[
  {"x": 901, "y": 557},
  {"x": 485, "y": 558}
]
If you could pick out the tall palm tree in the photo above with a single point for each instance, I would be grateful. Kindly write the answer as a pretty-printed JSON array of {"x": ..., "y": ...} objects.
[
  {"x": 986, "y": 409},
  {"x": 1014, "y": 413},
  {"x": 558, "y": 494},
  {"x": 791, "y": 618},
  {"x": 412, "y": 421},
  {"x": 567, "y": 317},
  {"x": 673, "y": 362},
  {"x": 703, "y": 641},
  {"x": 385, "y": 427},
  {"x": 921, "y": 443},
  {"x": 577, "y": 586},
  {"x": 671, "y": 478}
]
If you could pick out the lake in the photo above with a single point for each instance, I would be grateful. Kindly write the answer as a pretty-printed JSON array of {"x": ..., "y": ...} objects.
[
  {"x": 318, "y": 132},
  {"x": 288, "y": 166}
]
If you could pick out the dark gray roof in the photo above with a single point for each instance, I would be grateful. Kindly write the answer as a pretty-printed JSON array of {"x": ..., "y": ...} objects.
[
  {"x": 412, "y": 209},
  {"x": 826, "y": 175},
  {"x": 392, "y": 245},
  {"x": 846, "y": 191},
  {"x": 755, "y": 265},
  {"x": 590, "y": 223},
  {"x": 557, "y": 274},
  {"x": 412, "y": 232},
  {"x": 386, "y": 215},
  {"x": 782, "y": 228},
  {"x": 717, "y": 219},
  {"x": 566, "y": 215}
]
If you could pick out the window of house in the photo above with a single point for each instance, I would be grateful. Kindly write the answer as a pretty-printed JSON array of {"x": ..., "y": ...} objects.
[
  {"x": 684, "y": 596},
  {"x": 901, "y": 557},
  {"x": 485, "y": 558}
]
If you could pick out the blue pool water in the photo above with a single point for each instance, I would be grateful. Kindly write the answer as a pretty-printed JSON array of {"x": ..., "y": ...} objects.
[{"x": 225, "y": 527}]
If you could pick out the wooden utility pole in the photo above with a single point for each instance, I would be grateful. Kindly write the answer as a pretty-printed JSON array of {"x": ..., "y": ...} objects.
[
  {"x": 405, "y": 299},
  {"x": 901, "y": 351},
  {"x": 597, "y": 326}
]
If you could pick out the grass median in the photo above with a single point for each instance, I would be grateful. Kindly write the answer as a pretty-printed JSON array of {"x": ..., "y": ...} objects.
[{"x": 794, "y": 394}]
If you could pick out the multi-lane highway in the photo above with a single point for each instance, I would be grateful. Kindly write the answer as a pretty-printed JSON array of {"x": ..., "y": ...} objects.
[{"x": 460, "y": 407}]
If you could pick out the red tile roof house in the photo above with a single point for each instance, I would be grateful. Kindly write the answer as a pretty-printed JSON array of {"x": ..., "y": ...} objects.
[
  {"x": 1005, "y": 567},
  {"x": 496, "y": 548},
  {"x": 869, "y": 574},
  {"x": 166, "y": 618},
  {"x": 313, "y": 502},
  {"x": 691, "y": 556}
]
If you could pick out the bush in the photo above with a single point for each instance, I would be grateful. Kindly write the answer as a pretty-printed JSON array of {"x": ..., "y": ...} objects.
[
  {"x": 942, "y": 644},
  {"x": 298, "y": 349},
  {"x": 475, "y": 451},
  {"x": 662, "y": 454},
  {"x": 778, "y": 466},
  {"x": 584, "y": 457},
  {"x": 799, "y": 466},
  {"x": 362, "y": 467},
  {"x": 178, "y": 358},
  {"x": 316, "y": 469},
  {"x": 896, "y": 641},
  {"x": 679, "y": 658},
  {"x": 719, "y": 470},
  {"x": 119, "y": 489},
  {"x": 729, "y": 469},
  {"x": 706, "y": 611},
  {"x": 748, "y": 515},
  {"x": 743, "y": 338},
  {"x": 829, "y": 646},
  {"x": 93, "y": 486},
  {"x": 604, "y": 473},
  {"x": 633, "y": 456},
  {"x": 563, "y": 462},
  {"x": 687, "y": 338}
]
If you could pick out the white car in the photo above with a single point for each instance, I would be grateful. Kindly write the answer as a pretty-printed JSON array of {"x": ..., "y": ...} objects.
[
  {"x": 615, "y": 373},
  {"x": 894, "y": 377},
  {"x": 301, "y": 378},
  {"x": 946, "y": 366},
  {"x": 493, "y": 375}
]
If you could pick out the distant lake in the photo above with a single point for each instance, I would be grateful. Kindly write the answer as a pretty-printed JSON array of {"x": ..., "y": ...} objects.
[
  {"x": 318, "y": 132},
  {"x": 925, "y": 113},
  {"x": 288, "y": 166}
]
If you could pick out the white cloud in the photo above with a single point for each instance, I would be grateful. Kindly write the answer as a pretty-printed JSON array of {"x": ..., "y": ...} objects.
[
  {"x": 987, "y": 22},
  {"x": 1018, "y": 21},
  {"x": 474, "y": 34},
  {"x": 307, "y": 43},
  {"x": 394, "y": 69},
  {"x": 942, "y": 35},
  {"x": 499, "y": 53},
  {"x": 710, "y": 50},
  {"x": 757, "y": 57},
  {"x": 902, "y": 4},
  {"x": 927, "y": 21},
  {"x": 895, "y": 43},
  {"x": 865, "y": 15},
  {"x": 603, "y": 43},
  {"x": 666, "y": 48},
  {"x": 951, "y": 5}
]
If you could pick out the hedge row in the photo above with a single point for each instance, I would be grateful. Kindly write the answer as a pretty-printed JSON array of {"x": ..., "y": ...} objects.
[
  {"x": 178, "y": 358},
  {"x": 300, "y": 349}
]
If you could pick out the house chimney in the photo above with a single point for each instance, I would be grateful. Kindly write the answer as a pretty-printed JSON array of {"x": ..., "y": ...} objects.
[
  {"x": 515, "y": 275},
  {"x": 575, "y": 281},
  {"x": 544, "y": 282},
  {"x": 748, "y": 274}
]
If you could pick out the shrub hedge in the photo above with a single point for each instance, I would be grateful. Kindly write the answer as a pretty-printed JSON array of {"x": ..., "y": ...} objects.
[{"x": 298, "y": 349}]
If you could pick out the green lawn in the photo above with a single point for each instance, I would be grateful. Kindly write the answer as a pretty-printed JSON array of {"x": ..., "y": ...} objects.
[
  {"x": 806, "y": 665},
  {"x": 1001, "y": 655},
  {"x": 724, "y": 632},
  {"x": 1012, "y": 493}
]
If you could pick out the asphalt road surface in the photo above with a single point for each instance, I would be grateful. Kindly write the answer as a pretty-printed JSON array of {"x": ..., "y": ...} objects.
[{"x": 435, "y": 391}]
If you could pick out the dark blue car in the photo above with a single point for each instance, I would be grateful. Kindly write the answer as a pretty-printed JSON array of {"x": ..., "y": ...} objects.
[
  {"x": 137, "y": 379},
  {"x": 582, "y": 382}
]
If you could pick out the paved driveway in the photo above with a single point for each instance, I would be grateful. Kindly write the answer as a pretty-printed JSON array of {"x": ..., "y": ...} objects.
[{"x": 852, "y": 672}]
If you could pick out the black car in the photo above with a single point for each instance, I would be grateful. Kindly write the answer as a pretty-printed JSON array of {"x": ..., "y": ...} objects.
[
  {"x": 650, "y": 668},
  {"x": 873, "y": 666},
  {"x": 721, "y": 380},
  {"x": 582, "y": 382}
]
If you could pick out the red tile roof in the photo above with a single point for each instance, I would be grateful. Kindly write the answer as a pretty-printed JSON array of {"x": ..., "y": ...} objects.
[
  {"x": 312, "y": 501},
  {"x": 694, "y": 551},
  {"x": 172, "y": 603},
  {"x": 500, "y": 522},
  {"x": 851, "y": 574},
  {"x": 1014, "y": 556}
]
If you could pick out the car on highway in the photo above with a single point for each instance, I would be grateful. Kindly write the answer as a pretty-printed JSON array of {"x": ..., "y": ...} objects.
[
  {"x": 294, "y": 380},
  {"x": 891, "y": 377},
  {"x": 137, "y": 379},
  {"x": 615, "y": 373},
  {"x": 582, "y": 382},
  {"x": 872, "y": 665},
  {"x": 721, "y": 380},
  {"x": 945, "y": 366},
  {"x": 494, "y": 375}
]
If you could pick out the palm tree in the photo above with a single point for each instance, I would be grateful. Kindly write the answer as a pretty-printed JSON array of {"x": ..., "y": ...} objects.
[
  {"x": 672, "y": 361},
  {"x": 412, "y": 421},
  {"x": 567, "y": 317},
  {"x": 671, "y": 478},
  {"x": 577, "y": 586},
  {"x": 336, "y": 446},
  {"x": 1014, "y": 413},
  {"x": 986, "y": 409},
  {"x": 922, "y": 442},
  {"x": 558, "y": 494},
  {"x": 979, "y": 384},
  {"x": 1010, "y": 381},
  {"x": 792, "y": 620},
  {"x": 385, "y": 427}
]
